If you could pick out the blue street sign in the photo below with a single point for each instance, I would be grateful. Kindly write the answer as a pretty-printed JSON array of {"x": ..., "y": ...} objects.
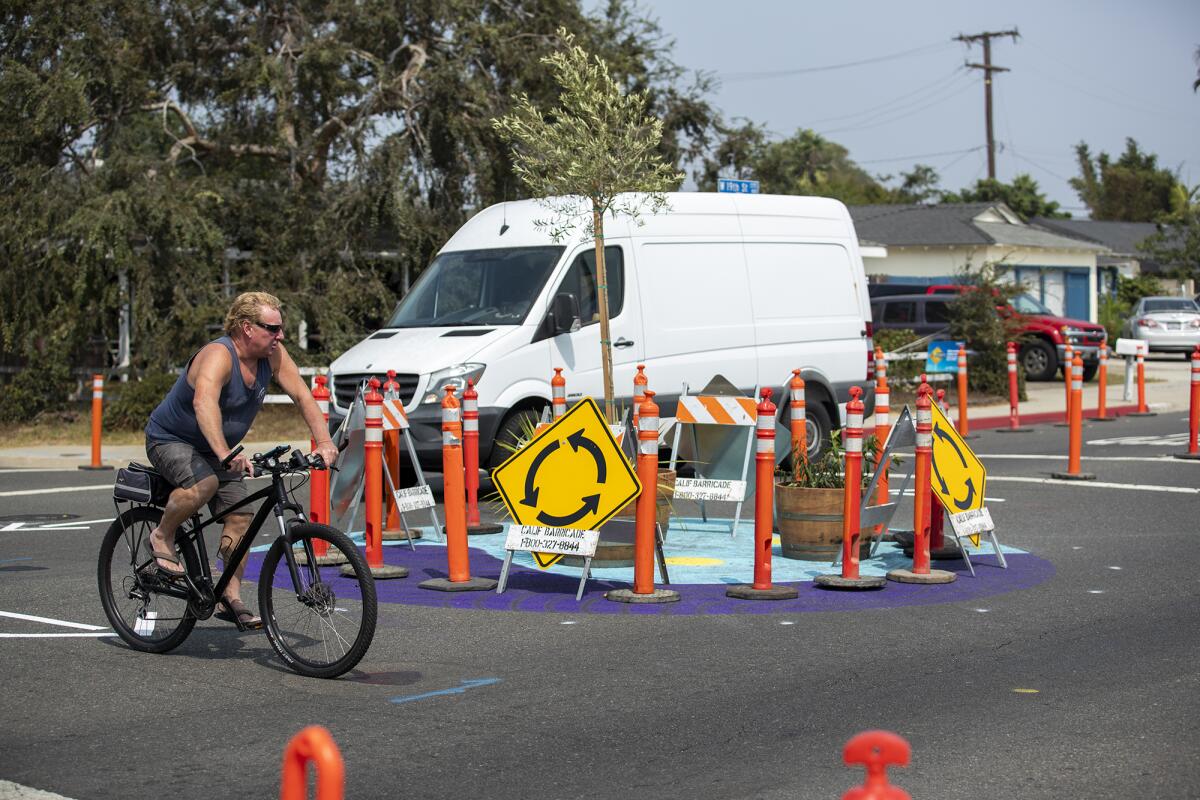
[
  {"x": 737, "y": 186},
  {"x": 942, "y": 356}
]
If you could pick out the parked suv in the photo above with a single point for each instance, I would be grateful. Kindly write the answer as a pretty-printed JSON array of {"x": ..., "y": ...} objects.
[{"x": 925, "y": 311}]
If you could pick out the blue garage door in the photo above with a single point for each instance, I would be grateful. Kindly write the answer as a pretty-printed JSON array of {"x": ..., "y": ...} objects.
[{"x": 1077, "y": 305}]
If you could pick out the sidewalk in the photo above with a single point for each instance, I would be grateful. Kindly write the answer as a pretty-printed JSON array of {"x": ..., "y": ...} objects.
[{"x": 1170, "y": 391}]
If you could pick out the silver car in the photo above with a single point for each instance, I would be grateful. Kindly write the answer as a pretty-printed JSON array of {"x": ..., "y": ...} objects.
[{"x": 1165, "y": 324}]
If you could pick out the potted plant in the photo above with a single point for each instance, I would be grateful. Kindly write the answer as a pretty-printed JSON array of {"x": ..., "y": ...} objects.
[{"x": 810, "y": 500}]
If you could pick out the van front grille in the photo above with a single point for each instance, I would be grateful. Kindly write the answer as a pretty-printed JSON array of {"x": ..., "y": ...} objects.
[{"x": 346, "y": 384}]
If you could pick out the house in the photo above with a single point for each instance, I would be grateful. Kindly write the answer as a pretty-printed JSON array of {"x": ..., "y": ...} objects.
[
  {"x": 1125, "y": 258},
  {"x": 936, "y": 243}
]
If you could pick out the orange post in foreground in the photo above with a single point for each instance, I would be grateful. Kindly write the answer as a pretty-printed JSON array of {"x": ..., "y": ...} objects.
[
  {"x": 1075, "y": 441},
  {"x": 315, "y": 745},
  {"x": 798, "y": 421},
  {"x": 640, "y": 384},
  {"x": 853, "y": 495},
  {"x": 558, "y": 393},
  {"x": 877, "y": 750},
  {"x": 318, "y": 487},
  {"x": 922, "y": 504},
  {"x": 646, "y": 510},
  {"x": 963, "y": 428},
  {"x": 471, "y": 451},
  {"x": 97, "y": 421},
  {"x": 373, "y": 485}
]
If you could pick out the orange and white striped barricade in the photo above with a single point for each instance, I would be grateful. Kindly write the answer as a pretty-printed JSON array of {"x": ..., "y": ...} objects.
[
  {"x": 414, "y": 498},
  {"x": 715, "y": 423},
  {"x": 1193, "y": 443},
  {"x": 97, "y": 423}
]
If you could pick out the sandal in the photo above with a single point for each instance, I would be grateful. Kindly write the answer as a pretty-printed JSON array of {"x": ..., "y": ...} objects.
[
  {"x": 235, "y": 611},
  {"x": 152, "y": 556}
]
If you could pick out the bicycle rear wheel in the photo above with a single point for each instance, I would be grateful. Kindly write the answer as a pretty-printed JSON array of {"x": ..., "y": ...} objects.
[
  {"x": 138, "y": 610},
  {"x": 321, "y": 626}
]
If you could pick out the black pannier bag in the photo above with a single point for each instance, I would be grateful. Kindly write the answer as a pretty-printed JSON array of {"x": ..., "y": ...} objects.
[{"x": 138, "y": 483}]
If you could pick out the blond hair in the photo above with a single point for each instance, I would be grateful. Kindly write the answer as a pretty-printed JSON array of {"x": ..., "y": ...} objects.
[{"x": 245, "y": 309}]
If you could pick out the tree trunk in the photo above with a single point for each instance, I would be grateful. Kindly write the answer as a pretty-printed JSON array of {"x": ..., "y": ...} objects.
[{"x": 602, "y": 290}]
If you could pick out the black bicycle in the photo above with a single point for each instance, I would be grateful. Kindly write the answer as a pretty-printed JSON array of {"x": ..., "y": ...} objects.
[{"x": 319, "y": 612}]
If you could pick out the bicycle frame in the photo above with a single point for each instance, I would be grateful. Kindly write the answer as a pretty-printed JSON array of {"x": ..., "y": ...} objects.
[{"x": 279, "y": 503}]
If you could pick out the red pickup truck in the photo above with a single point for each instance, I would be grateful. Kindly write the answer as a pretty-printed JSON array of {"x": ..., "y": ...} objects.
[{"x": 1042, "y": 330}]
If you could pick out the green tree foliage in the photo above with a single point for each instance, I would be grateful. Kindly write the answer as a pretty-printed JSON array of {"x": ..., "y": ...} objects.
[
  {"x": 205, "y": 147},
  {"x": 1022, "y": 196},
  {"x": 1132, "y": 188},
  {"x": 598, "y": 145},
  {"x": 974, "y": 319},
  {"x": 804, "y": 164}
]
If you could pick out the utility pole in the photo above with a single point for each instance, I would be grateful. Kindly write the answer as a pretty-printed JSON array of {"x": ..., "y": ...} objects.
[{"x": 988, "y": 69}]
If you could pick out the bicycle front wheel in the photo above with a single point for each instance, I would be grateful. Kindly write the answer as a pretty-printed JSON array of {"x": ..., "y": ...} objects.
[
  {"x": 319, "y": 621},
  {"x": 149, "y": 614}
]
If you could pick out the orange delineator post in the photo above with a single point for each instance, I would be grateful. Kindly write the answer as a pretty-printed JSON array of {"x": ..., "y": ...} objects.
[
  {"x": 97, "y": 422},
  {"x": 883, "y": 427},
  {"x": 455, "y": 491},
  {"x": 1193, "y": 450},
  {"x": 646, "y": 510},
  {"x": 558, "y": 393},
  {"x": 1102, "y": 384},
  {"x": 640, "y": 384},
  {"x": 798, "y": 421},
  {"x": 922, "y": 493},
  {"x": 963, "y": 428},
  {"x": 877, "y": 750},
  {"x": 318, "y": 487},
  {"x": 764, "y": 490},
  {"x": 1141, "y": 379},
  {"x": 1014, "y": 418},
  {"x": 391, "y": 456},
  {"x": 1076, "y": 435},
  {"x": 852, "y": 497},
  {"x": 470, "y": 418},
  {"x": 313, "y": 744},
  {"x": 1068, "y": 359},
  {"x": 373, "y": 482}
]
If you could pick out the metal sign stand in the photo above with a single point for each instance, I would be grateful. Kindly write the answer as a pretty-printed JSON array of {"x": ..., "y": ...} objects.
[
  {"x": 964, "y": 529},
  {"x": 903, "y": 434},
  {"x": 682, "y": 495}
]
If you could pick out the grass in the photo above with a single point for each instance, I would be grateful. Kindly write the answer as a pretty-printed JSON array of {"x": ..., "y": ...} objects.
[{"x": 73, "y": 426}]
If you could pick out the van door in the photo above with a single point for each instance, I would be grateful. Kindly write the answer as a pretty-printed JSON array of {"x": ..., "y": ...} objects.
[{"x": 579, "y": 352}]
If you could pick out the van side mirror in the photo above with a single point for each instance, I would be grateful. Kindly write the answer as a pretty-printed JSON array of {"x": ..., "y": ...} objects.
[{"x": 564, "y": 310}]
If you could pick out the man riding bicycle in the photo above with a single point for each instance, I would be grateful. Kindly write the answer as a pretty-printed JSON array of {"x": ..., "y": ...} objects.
[{"x": 206, "y": 414}]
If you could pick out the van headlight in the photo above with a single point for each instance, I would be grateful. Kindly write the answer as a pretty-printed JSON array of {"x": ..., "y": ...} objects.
[{"x": 456, "y": 376}]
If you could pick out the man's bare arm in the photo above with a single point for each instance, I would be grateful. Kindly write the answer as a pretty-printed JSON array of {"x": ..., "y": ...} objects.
[
  {"x": 287, "y": 375},
  {"x": 208, "y": 375}
]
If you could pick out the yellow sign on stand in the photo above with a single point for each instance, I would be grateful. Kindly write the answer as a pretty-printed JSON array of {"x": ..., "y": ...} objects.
[
  {"x": 958, "y": 477},
  {"x": 572, "y": 474}
]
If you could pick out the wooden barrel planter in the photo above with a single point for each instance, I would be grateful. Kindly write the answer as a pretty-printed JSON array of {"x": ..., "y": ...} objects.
[
  {"x": 810, "y": 523},
  {"x": 615, "y": 548}
]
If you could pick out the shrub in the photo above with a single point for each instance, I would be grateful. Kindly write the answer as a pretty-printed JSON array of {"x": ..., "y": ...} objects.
[
  {"x": 134, "y": 401},
  {"x": 905, "y": 371},
  {"x": 974, "y": 320},
  {"x": 44, "y": 385}
]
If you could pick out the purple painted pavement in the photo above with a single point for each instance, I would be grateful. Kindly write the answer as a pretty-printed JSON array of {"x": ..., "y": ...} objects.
[{"x": 530, "y": 590}]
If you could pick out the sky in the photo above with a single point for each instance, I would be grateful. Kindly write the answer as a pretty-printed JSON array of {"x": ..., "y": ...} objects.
[{"x": 1096, "y": 71}]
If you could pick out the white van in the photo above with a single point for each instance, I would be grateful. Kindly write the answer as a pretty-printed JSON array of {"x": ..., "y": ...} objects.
[{"x": 744, "y": 286}]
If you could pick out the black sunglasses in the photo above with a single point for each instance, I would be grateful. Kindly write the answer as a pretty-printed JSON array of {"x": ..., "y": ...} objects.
[{"x": 271, "y": 329}]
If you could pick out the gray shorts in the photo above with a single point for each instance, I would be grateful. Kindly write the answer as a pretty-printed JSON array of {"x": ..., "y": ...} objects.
[{"x": 184, "y": 467}]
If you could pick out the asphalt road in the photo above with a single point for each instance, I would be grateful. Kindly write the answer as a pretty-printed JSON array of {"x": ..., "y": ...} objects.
[{"x": 1084, "y": 685}]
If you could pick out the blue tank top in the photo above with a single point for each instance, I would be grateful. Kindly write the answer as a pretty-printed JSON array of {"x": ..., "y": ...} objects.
[{"x": 174, "y": 420}]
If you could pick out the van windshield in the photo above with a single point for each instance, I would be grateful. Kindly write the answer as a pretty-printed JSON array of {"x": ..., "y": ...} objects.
[{"x": 476, "y": 287}]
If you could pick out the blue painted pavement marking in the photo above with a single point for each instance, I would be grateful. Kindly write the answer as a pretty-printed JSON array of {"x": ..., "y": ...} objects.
[{"x": 468, "y": 684}]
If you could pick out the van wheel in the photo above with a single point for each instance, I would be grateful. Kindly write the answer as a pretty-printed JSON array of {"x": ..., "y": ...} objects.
[
  {"x": 818, "y": 429},
  {"x": 514, "y": 431},
  {"x": 1040, "y": 361}
]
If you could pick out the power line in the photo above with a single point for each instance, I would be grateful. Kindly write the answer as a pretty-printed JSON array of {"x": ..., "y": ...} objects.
[
  {"x": 922, "y": 155},
  {"x": 936, "y": 86},
  {"x": 750, "y": 76},
  {"x": 908, "y": 113}
]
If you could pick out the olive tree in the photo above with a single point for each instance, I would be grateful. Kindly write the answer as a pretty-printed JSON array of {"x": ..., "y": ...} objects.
[{"x": 596, "y": 153}]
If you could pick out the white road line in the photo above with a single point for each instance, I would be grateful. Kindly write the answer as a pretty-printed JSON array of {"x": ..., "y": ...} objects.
[
  {"x": 49, "y": 621},
  {"x": 25, "y": 492},
  {"x": 1153, "y": 459},
  {"x": 56, "y": 635},
  {"x": 18, "y": 471},
  {"x": 1139, "y": 487}
]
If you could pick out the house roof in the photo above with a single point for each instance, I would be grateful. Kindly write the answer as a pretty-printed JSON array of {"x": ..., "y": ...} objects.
[
  {"x": 1120, "y": 237},
  {"x": 958, "y": 224}
]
